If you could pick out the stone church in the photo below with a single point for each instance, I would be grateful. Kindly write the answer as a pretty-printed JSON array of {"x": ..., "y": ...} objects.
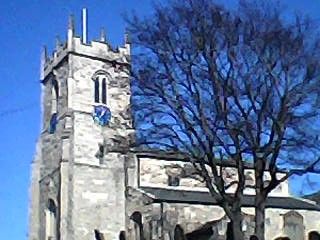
[{"x": 87, "y": 184}]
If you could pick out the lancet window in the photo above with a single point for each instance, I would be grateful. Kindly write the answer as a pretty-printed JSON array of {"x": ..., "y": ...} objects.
[{"x": 100, "y": 87}]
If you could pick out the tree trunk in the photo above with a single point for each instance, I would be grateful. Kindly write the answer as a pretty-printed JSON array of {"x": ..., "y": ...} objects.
[
  {"x": 235, "y": 233},
  {"x": 260, "y": 217}
]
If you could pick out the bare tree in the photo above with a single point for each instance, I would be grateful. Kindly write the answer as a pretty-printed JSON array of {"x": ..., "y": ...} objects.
[{"x": 220, "y": 85}]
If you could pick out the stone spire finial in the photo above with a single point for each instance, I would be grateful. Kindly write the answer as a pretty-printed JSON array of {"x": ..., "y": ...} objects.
[
  {"x": 103, "y": 35},
  {"x": 70, "y": 31},
  {"x": 58, "y": 42},
  {"x": 127, "y": 38},
  {"x": 43, "y": 59},
  {"x": 44, "y": 53},
  {"x": 71, "y": 23}
]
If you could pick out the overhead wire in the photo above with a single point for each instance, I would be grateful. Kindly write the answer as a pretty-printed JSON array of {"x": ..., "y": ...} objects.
[{"x": 19, "y": 109}]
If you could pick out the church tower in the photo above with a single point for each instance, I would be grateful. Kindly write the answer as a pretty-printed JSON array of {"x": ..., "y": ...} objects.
[{"x": 78, "y": 179}]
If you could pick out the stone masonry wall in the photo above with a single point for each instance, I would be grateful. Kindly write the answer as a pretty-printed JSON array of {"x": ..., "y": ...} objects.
[
  {"x": 160, "y": 219},
  {"x": 98, "y": 178},
  {"x": 49, "y": 190},
  {"x": 96, "y": 185},
  {"x": 156, "y": 172},
  {"x": 51, "y": 143},
  {"x": 34, "y": 195},
  {"x": 60, "y": 74},
  {"x": 98, "y": 200},
  {"x": 52, "y": 149},
  {"x": 192, "y": 217}
]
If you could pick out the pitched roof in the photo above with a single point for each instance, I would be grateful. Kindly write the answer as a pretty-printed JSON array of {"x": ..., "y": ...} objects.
[
  {"x": 183, "y": 157},
  {"x": 176, "y": 156},
  {"x": 314, "y": 197},
  {"x": 204, "y": 198}
]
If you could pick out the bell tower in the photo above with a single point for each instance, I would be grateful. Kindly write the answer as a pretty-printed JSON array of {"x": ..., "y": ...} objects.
[{"x": 78, "y": 180}]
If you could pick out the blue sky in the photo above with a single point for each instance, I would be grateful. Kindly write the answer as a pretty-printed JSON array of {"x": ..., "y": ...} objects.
[{"x": 25, "y": 26}]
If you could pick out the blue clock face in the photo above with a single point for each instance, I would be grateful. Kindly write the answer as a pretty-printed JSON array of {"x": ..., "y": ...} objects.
[{"x": 101, "y": 115}]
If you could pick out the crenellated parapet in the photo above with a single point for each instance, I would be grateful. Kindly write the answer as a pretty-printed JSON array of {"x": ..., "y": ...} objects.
[{"x": 78, "y": 45}]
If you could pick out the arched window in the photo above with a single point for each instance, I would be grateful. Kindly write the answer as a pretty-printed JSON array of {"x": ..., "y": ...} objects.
[
  {"x": 100, "y": 87},
  {"x": 313, "y": 235},
  {"x": 173, "y": 181},
  {"x": 54, "y": 105},
  {"x": 136, "y": 217},
  {"x": 54, "y": 96},
  {"x": 51, "y": 220}
]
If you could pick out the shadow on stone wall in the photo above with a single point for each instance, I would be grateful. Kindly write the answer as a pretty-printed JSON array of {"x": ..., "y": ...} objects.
[{"x": 179, "y": 234}]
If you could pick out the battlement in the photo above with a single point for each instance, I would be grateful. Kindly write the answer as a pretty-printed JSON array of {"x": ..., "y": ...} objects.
[{"x": 96, "y": 49}]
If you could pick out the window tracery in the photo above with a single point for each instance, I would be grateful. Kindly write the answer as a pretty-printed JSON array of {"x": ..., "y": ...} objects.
[{"x": 54, "y": 96}]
